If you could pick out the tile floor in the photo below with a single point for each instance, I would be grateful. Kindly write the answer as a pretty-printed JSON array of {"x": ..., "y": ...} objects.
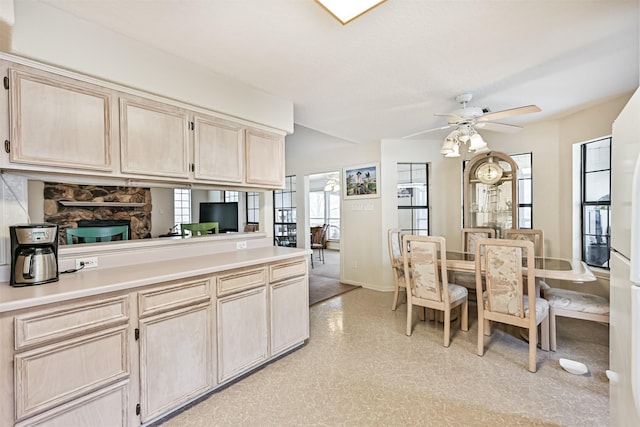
[{"x": 360, "y": 369}]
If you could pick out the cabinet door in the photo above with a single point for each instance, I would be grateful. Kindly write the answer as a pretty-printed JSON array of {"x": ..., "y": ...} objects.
[
  {"x": 175, "y": 359},
  {"x": 154, "y": 138},
  {"x": 289, "y": 314},
  {"x": 242, "y": 332},
  {"x": 59, "y": 121},
  {"x": 218, "y": 150},
  {"x": 264, "y": 159}
]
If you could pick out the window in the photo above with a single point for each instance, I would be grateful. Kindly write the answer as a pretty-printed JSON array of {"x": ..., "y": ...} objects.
[
  {"x": 595, "y": 161},
  {"x": 231, "y": 196},
  {"x": 525, "y": 189},
  {"x": 253, "y": 207},
  {"x": 284, "y": 213},
  {"x": 181, "y": 206},
  {"x": 413, "y": 198}
]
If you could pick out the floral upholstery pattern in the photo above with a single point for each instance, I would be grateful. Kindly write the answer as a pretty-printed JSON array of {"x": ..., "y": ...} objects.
[
  {"x": 576, "y": 301},
  {"x": 504, "y": 280},
  {"x": 424, "y": 261}
]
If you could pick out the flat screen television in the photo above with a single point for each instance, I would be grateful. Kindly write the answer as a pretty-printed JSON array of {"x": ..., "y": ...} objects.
[{"x": 224, "y": 213}]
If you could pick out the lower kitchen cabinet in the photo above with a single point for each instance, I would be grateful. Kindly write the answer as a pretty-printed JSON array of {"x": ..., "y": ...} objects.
[
  {"x": 133, "y": 356},
  {"x": 289, "y": 314},
  {"x": 175, "y": 359},
  {"x": 242, "y": 332}
]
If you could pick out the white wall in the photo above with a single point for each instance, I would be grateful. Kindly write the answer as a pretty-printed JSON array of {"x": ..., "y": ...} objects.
[{"x": 49, "y": 35}]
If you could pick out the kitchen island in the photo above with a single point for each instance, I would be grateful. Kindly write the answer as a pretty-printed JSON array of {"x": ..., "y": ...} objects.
[{"x": 129, "y": 344}]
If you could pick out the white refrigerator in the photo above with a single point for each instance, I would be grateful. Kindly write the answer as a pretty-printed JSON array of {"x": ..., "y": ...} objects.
[{"x": 624, "y": 331}]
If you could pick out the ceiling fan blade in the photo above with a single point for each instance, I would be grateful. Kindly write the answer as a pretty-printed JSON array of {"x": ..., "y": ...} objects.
[
  {"x": 426, "y": 131},
  {"x": 451, "y": 118},
  {"x": 498, "y": 127},
  {"x": 508, "y": 113}
]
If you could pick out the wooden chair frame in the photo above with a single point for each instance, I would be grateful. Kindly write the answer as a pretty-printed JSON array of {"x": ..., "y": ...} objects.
[
  {"x": 439, "y": 297},
  {"x": 534, "y": 235},
  {"x": 394, "y": 241},
  {"x": 487, "y": 313}
]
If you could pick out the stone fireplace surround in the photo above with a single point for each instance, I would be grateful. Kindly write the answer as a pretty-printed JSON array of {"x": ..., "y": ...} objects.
[{"x": 66, "y": 204}]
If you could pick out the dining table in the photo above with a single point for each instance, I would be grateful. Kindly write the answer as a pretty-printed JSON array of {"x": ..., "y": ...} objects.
[{"x": 572, "y": 270}]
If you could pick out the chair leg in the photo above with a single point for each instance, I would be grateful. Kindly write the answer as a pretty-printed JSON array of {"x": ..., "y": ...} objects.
[
  {"x": 480, "y": 336},
  {"x": 322, "y": 254},
  {"x": 544, "y": 334},
  {"x": 447, "y": 327},
  {"x": 409, "y": 319},
  {"x": 396, "y": 292},
  {"x": 487, "y": 327},
  {"x": 464, "y": 322},
  {"x": 552, "y": 329},
  {"x": 311, "y": 256},
  {"x": 533, "y": 346}
]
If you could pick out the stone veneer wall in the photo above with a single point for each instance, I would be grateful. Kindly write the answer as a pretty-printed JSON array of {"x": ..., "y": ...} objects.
[{"x": 67, "y": 216}]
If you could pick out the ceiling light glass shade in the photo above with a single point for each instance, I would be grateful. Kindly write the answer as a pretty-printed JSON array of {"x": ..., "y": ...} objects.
[
  {"x": 476, "y": 142},
  {"x": 455, "y": 152},
  {"x": 464, "y": 138},
  {"x": 346, "y": 11},
  {"x": 447, "y": 146}
]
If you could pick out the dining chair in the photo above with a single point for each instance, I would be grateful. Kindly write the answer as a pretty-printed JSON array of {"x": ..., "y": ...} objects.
[
  {"x": 578, "y": 305},
  {"x": 97, "y": 234},
  {"x": 427, "y": 284},
  {"x": 199, "y": 228},
  {"x": 469, "y": 238},
  {"x": 394, "y": 240},
  {"x": 250, "y": 228},
  {"x": 319, "y": 241},
  {"x": 500, "y": 261},
  {"x": 536, "y": 236}
]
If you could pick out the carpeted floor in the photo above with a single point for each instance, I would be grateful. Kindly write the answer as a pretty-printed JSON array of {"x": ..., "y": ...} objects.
[{"x": 324, "y": 278}]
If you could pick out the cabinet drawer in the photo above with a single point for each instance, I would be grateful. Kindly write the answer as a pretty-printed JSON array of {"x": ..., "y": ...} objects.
[
  {"x": 240, "y": 280},
  {"x": 174, "y": 296},
  {"x": 53, "y": 375},
  {"x": 107, "y": 407},
  {"x": 287, "y": 270},
  {"x": 54, "y": 324}
]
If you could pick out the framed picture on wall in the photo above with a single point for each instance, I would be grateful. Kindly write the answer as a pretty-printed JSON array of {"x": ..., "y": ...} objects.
[{"x": 361, "y": 181}]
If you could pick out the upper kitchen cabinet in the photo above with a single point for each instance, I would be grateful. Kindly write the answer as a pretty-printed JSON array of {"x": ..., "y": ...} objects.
[
  {"x": 154, "y": 138},
  {"x": 59, "y": 122},
  {"x": 218, "y": 150},
  {"x": 264, "y": 159}
]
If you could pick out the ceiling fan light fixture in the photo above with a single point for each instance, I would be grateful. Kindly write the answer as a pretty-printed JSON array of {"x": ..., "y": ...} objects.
[
  {"x": 455, "y": 152},
  {"x": 476, "y": 142},
  {"x": 447, "y": 146}
]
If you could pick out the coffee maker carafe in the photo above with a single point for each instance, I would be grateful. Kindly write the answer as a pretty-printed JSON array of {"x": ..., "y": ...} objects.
[{"x": 34, "y": 254}]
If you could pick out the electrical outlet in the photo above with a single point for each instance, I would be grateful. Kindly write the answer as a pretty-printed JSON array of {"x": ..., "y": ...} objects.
[
  {"x": 241, "y": 245},
  {"x": 88, "y": 262}
]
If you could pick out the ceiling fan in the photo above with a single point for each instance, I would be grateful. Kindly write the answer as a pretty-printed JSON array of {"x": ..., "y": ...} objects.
[{"x": 481, "y": 118}]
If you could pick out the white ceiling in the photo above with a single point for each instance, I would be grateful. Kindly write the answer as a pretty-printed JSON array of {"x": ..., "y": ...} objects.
[{"x": 385, "y": 74}]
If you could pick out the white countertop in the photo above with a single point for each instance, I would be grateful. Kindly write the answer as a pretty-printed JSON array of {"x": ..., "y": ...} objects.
[{"x": 85, "y": 283}]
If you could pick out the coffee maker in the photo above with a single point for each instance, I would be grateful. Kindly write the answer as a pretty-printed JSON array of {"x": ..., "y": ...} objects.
[{"x": 34, "y": 254}]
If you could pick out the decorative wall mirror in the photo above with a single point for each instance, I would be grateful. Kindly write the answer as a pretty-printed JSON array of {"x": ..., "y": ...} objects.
[{"x": 490, "y": 196}]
